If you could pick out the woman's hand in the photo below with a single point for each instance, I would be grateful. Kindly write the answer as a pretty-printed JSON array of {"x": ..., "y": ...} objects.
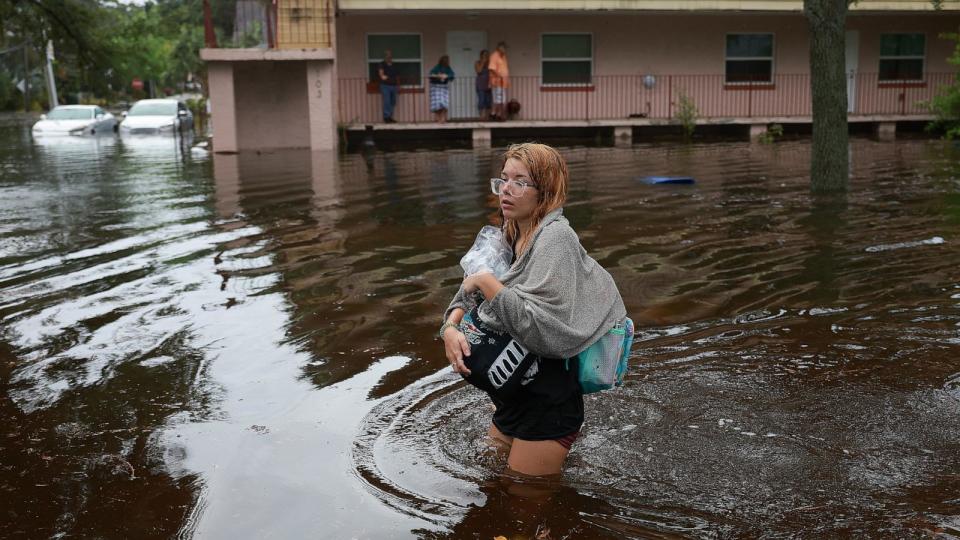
[
  {"x": 456, "y": 348},
  {"x": 485, "y": 282},
  {"x": 471, "y": 282}
]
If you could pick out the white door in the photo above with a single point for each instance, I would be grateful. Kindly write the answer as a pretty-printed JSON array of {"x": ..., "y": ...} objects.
[
  {"x": 464, "y": 48},
  {"x": 852, "y": 56}
]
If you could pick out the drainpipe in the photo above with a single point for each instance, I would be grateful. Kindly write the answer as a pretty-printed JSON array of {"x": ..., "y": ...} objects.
[
  {"x": 271, "y": 24},
  {"x": 209, "y": 36}
]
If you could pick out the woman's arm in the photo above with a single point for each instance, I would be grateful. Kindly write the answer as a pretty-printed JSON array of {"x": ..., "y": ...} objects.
[
  {"x": 538, "y": 307},
  {"x": 462, "y": 301},
  {"x": 455, "y": 345},
  {"x": 485, "y": 282}
]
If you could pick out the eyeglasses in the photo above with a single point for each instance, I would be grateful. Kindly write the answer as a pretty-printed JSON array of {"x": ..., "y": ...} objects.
[{"x": 515, "y": 188}]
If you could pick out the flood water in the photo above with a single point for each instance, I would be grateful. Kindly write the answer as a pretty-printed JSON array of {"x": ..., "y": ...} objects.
[{"x": 203, "y": 346}]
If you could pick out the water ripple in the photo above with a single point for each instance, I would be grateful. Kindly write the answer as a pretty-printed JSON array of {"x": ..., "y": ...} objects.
[{"x": 169, "y": 324}]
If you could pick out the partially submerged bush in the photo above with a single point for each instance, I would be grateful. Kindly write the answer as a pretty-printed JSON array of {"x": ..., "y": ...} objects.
[
  {"x": 686, "y": 114},
  {"x": 946, "y": 106}
]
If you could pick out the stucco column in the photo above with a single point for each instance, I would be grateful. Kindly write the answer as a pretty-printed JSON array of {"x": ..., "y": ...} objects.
[
  {"x": 223, "y": 110},
  {"x": 623, "y": 136},
  {"x": 886, "y": 131},
  {"x": 321, "y": 98},
  {"x": 757, "y": 131},
  {"x": 481, "y": 137}
]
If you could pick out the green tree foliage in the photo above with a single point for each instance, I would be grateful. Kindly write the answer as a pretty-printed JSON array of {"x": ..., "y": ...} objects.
[
  {"x": 74, "y": 26},
  {"x": 102, "y": 45},
  {"x": 947, "y": 105}
]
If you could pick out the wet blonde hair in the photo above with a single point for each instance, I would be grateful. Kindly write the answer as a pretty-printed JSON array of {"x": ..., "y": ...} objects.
[{"x": 548, "y": 170}]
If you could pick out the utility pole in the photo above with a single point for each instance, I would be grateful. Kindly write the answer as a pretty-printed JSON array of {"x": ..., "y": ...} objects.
[
  {"x": 26, "y": 76},
  {"x": 51, "y": 83}
]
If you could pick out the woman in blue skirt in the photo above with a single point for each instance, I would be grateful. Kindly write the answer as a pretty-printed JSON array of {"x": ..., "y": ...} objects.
[{"x": 440, "y": 78}]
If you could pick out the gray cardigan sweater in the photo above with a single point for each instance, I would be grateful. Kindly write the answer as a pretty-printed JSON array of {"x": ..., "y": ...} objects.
[{"x": 556, "y": 299}]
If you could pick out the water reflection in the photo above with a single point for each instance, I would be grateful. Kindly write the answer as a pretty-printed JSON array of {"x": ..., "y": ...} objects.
[
  {"x": 242, "y": 345},
  {"x": 67, "y": 145},
  {"x": 552, "y": 509},
  {"x": 826, "y": 221},
  {"x": 171, "y": 149},
  {"x": 96, "y": 358}
]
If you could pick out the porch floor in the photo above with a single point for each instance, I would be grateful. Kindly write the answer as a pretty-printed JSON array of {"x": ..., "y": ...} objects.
[
  {"x": 624, "y": 122},
  {"x": 481, "y": 133}
]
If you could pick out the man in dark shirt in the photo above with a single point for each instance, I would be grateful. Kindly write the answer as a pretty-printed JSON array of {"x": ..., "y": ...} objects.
[{"x": 388, "y": 85}]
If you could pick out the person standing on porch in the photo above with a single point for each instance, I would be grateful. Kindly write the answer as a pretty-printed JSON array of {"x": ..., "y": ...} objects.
[
  {"x": 388, "y": 85},
  {"x": 484, "y": 100},
  {"x": 499, "y": 81},
  {"x": 440, "y": 77}
]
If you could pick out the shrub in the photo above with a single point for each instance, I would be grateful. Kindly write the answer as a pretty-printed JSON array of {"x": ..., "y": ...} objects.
[
  {"x": 773, "y": 132},
  {"x": 946, "y": 106},
  {"x": 686, "y": 114}
]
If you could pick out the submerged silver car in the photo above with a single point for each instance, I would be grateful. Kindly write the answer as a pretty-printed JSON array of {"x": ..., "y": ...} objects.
[
  {"x": 75, "y": 120},
  {"x": 157, "y": 117}
]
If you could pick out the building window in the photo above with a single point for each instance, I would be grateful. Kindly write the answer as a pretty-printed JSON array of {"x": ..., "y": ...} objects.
[
  {"x": 406, "y": 56},
  {"x": 749, "y": 58},
  {"x": 901, "y": 57},
  {"x": 566, "y": 59}
]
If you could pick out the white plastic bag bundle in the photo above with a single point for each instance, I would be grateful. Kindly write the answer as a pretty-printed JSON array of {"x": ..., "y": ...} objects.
[{"x": 489, "y": 253}]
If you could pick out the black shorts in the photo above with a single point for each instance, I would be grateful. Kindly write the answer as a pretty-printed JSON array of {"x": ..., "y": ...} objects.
[{"x": 537, "y": 398}]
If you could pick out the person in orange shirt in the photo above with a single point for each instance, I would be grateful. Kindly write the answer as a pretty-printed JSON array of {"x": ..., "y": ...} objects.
[{"x": 499, "y": 81}]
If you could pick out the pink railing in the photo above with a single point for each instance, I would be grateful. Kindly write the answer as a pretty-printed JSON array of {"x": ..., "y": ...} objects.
[{"x": 627, "y": 96}]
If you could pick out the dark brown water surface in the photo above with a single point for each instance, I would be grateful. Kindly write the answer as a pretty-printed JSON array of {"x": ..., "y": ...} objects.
[{"x": 242, "y": 346}]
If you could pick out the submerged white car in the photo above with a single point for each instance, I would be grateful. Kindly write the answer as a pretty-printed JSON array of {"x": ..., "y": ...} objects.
[
  {"x": 156, "y": 116},
  {"x": 75, "y": 120}
]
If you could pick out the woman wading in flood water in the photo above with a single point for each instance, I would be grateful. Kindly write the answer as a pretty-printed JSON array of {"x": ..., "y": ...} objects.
[{"x": 511, "y": 337}]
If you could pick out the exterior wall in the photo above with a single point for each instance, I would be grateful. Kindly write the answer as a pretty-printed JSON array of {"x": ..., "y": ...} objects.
[
  {"x": 686, "y": 52},
  {"x": 630, "y": 43},
  {"x": 271, "y": 105}
]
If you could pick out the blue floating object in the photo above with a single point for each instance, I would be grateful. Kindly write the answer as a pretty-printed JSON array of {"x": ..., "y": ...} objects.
[{"x": 668, "y": 180}]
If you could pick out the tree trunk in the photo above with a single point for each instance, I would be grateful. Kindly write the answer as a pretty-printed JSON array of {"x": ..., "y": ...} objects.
[{"x": 829, "y": 166}]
